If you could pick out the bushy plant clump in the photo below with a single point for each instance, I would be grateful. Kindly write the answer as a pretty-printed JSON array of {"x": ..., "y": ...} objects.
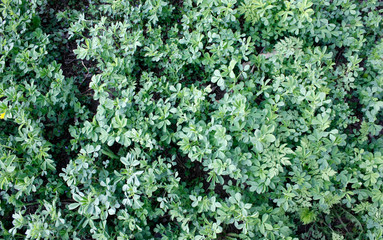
[{"x": 193, "y": 119}]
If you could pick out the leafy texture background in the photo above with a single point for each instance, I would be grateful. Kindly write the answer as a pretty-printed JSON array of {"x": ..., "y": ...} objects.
[{"x": 206, "y": 119}]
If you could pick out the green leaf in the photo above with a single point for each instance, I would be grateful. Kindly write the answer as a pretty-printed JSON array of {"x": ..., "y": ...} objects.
[
  {"x": 269, "y": 138},
  {"x": 73, "y": 206}
]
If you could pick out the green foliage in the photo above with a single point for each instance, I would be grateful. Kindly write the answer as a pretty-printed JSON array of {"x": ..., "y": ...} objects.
[{"x": 206, "y": 119}]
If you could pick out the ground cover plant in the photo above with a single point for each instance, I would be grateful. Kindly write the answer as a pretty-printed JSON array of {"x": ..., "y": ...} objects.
[{"x": 193, "y": 119}]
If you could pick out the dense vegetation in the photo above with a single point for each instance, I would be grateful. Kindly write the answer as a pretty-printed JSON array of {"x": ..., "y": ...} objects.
[{"x": 193, "y": 119}]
